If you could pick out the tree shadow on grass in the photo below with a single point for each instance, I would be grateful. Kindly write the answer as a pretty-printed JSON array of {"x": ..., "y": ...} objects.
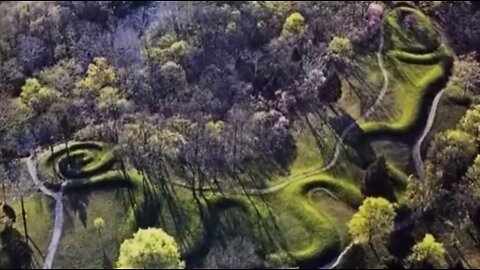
[
  {"x": 78, "y": 203},
  {"x": 229, "y": 217}
]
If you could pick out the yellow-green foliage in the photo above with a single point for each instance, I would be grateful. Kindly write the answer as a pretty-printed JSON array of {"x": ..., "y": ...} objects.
[
  {"x": 417, "y": 63},
  {"x": 170, "y": 141},
  {"x": 167, "y": 48},
  {"x": 215, "y": 128},
  {"x": 99, "y": 224},
  {"x": 175, "y": 77},
  {"x": 150, "y": 249},
  {"x": 166, "y": 40},
  {"x": 294, "y": 24},
  {"x": 470, "y": 122},
  {"x": 460, "y": 138},
  {"x": 428, "y": 250},
  {"x": 99, "y": 75},
  {"x": 340, "y": 48},
  {"x": 473, "y": 175},
  {"x": 373, "y": 221},
  {"x": 111, "y": 97},
  {"x": 466, "y": 74},
  {"x": 33, "y": 91},
  {"x": 179, "y": 47}
]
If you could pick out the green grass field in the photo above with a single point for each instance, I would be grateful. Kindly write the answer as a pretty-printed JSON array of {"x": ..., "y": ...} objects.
[
  {"x": 418, "y": 65},
  {"x": 181, "y": 215}
]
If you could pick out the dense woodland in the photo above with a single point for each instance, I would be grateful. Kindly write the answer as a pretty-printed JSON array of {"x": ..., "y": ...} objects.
[{"x": 214, "y": 89}]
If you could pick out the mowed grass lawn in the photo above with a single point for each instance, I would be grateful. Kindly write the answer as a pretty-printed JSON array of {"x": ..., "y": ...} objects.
[
  {"x": 417, "y": 63},
  {"x": 277, "y": 221}
]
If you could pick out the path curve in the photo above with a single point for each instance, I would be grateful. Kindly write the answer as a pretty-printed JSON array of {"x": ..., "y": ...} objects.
[
  {"x": 416, "y": 152},
  {"x": 381, "y": 65},
  {"x": 59, "y": 215}
]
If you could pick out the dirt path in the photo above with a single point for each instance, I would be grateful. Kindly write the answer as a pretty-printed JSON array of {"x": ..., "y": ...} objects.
[{"x": 59, "y": 215}]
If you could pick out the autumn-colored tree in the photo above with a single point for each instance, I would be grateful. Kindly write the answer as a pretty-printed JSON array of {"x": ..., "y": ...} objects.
[
  {"x": 294, "y": 24},
  {"x": 373, "y": 223},
  {"x": 99, "y": 75},
  {"x": 467, "y": 74},
  {"x": 451, "y": 154},
  {"x": 38, "y": 96},
  {"x": 150, "y": 249},
  {"x": 426, "y": 253},
  {"x": 99, "y": 224},
  {"x": 340, "y": 50},
  {"x": 470, "y": 123}
]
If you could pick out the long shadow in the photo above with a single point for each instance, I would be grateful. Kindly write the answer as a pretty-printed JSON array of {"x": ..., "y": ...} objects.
[
  {"x": 277, "y": 230},
  {"x": 18, "y": 252},
  {"x": 78, "y": 203}
]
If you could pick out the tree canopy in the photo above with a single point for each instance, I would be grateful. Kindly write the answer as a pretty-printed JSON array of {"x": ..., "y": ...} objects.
[
  {"x": 428, "y": 251},
  {"x": 373, "y": 221},
  {"x": 150, "y": 249}
]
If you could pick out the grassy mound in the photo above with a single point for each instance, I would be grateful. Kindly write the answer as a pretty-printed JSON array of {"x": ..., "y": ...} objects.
[
  {"x": 291, "y": 219},
  {"x": 419, "y": 66},
  {"x": 411, "y": 31},
  {"x": 294, "y": 219},
  {"x": 84, "y": 164}
]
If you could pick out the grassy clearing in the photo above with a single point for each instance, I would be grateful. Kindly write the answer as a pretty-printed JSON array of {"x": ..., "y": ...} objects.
[
  {"x": 418, "y": 64},
  {"x": 275, "y": 221},
  {"x": 337, "y": 212},
  {"x": 39, "y": 221},
  {"x": 81, "y": 246},
  {"x": 410, "y": 85}
]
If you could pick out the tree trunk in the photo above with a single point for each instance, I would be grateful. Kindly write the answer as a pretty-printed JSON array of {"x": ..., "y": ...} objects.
[
  {"x": 24, "y": 219},
  {"x": 3, "y": 191},
  {"x": 330, "y": 105},
  {"x": 372, "y": 247},
  {"x": 66, "y": 147},
  {"x": 462, "y": 256}
]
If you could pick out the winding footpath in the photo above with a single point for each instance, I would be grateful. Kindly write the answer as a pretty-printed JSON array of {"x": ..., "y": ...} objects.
[
  {"x": 381, "y": 96},
  {"x": 59, "y": 215},
  {"x": 416, "y": 151}
]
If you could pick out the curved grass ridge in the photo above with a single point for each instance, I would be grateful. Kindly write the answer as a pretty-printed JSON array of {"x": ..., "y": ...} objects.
[
  {"x": 96, "y": 168},
  {"x": 83, "y": 165},
  {"x": 422, "y": 38},
  {"x": 421, "y": 66},
  {"x": 295, "y": 201}
]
